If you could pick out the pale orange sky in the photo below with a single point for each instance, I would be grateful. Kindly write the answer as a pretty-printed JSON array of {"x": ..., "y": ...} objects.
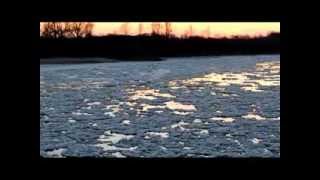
[
  {"x": 179, "y": 28},
  {"x": 220, "y": 29}
]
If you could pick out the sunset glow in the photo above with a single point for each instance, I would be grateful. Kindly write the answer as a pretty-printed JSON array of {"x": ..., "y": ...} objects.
[
  {"x": 202, "y": 29},
  {"x": 224, "y": 29}
]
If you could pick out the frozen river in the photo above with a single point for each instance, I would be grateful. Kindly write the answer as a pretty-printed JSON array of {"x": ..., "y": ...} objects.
[{"x": 180, "y": 107}]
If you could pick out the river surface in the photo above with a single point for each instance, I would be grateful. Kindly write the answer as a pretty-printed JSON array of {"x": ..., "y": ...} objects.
[{"x": 180, "y": 107}]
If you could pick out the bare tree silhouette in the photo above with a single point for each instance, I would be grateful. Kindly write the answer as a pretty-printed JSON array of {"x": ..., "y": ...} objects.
[
  {"x": 124, "y": 28},
  {"x": 140, "y": 29},
  {"x": 168, "y": 29},
  {"x": 76, "y": 30},
  {"x": 190, "y": 31},
  {"x": 156, "y": 27},
  {"x": 208, "y": 32},
  {"x": 67, "y": 30},
  {"x": 52, "y": 30}
]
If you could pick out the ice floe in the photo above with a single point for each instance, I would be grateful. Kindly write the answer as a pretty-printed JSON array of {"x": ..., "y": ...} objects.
[
  {"x": 157, "y": 134},
  {"x": 114, "y": 138},
  {"x": 253, "y": 116},
  {"x": 197, "y": 121},
  {"x": 179, "y": 106},
  {"x": 125, "y": 122},
  {"x": 146, "y": 107},
  {"x": 213, "y": 93},
  {"x": 182, "y": 113},
  {"x": 149, "y": 94},
  {"x": 108, "y": 139},
  {"x": 246, "y": 80},
  {"x": 94, "y": 103},
  {"x": 80, "y": 114},
  {"x": 118, "y": 155},
  {"x": 204, "y": 132},
  {"x": 111, "y": 114},
  {"x": 255, "y": 141},
  {"x": 163, "y": 148},
  {"x": 71, "y": 121},
  {"x": 179, "y": 125},
  {"x": 223, "y": 119},
  {"x": 94, "y": 124},
  {"x": 57, "y": 153}
]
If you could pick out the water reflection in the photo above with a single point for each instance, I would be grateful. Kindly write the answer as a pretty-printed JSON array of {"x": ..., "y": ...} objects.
[
  {"x": 265, "y": 74},
  {"x": 179, "y": 106},
  {"x": 254, "y": 116},
  {"x": 274, "y": 67},
  {"x": 182, "y": 113},
  {"x": 147, "y": 107},
  {"x": 135, "y": 97},
  {"x": 79, "y": 85},
  {"x": 149, "y": 94},
  {"x": 143, "y": 99},
  {"x": 171, "y": 105},
  {"x": 112, "y": 110}
]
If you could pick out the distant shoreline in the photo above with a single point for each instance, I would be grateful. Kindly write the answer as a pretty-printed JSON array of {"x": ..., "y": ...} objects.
[
  {"x": 89, "y": 60},
  {"x": 85, "y": 60},
  {"x": 150, "y": 48}
]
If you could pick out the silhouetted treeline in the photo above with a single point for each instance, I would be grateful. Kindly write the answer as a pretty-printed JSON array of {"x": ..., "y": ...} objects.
[{"x": 155, "y": 46}]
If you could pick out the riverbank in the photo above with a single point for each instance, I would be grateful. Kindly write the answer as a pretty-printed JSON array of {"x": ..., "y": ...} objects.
[
  {"x": 90, "y": 60},
  {"x": 150, "y": 48}
]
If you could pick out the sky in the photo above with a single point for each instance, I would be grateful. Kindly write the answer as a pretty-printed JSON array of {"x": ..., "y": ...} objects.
[{"x": 221, "y": 29}]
